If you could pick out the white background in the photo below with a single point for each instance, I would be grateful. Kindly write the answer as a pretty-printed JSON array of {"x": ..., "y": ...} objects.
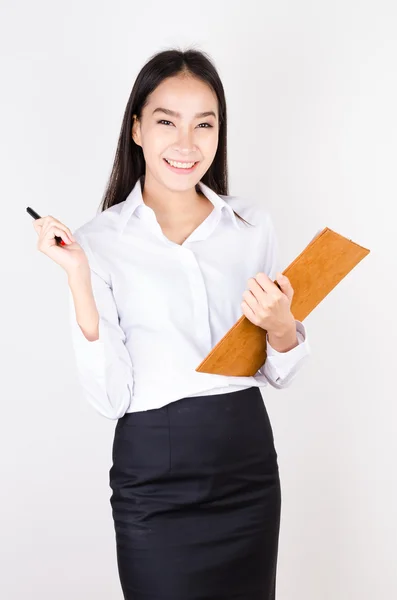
[{"x": 312, "y": 96}]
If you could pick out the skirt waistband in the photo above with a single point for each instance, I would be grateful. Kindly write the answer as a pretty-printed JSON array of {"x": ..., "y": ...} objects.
[{"x": 206, "y": 407}]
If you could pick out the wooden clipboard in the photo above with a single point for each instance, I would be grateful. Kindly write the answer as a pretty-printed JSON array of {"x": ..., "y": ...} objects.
[{"x": 314, "y": 273}]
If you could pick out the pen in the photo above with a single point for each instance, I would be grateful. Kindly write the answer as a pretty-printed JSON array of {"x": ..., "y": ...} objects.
[{"x": 35, "y": 215}]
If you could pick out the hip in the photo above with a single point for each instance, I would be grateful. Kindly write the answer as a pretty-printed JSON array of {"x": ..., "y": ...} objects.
[{"x": 224, "y": 431}]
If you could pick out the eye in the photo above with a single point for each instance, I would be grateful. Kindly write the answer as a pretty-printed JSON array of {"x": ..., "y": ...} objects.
[{"x": 208, "y": 125}]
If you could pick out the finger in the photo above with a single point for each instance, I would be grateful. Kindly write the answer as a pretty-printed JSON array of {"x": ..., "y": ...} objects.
[
  {"x": 37, "y": 226},
  {"x": 49, "y": 220},
  {"x": 257, "y": 290},
  {"x": 41, "y": 223},
  {"x": 284, "y": 282},
  {"x": 67, "y": 230},
  {"x": 54, "y": 223},
  {"x": 247, "y": 311},
  {"x": 53, "y": 231},
  {"x": 250, "y": 299},
  {"x": 282, "y": 278},
  {"x": 267, "y": 284}
]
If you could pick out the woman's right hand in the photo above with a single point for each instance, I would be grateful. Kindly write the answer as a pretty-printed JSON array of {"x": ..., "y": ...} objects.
[{"x": 71, "y": 256}]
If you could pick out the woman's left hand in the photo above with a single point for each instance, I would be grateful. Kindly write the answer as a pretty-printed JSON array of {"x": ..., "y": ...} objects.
[{"x": 268, "y": 307}]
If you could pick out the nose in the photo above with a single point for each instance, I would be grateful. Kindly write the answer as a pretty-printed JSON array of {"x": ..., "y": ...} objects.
[{"x": 185, "y": 142}]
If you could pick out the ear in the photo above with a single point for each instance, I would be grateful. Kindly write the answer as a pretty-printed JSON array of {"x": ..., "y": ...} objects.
[{"x": 136, "y": 130}]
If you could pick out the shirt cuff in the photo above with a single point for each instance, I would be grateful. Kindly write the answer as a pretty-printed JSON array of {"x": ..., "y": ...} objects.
[{"x": 282, "y": 363}]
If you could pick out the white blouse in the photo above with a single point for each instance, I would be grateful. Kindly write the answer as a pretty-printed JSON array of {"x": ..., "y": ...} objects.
[{"x": 163, "y": 306}]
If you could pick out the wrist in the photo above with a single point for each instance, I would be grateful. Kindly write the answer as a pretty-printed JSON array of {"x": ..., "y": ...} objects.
[
  {"x": 283, "y": 341},
  {"x": 287, "y": 331}
]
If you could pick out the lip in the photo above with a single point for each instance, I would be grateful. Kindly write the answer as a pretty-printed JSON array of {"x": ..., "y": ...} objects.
[{"x": 181, "y": 171}]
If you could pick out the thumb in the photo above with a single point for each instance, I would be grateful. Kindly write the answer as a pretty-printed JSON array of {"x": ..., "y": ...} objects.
[{"x": 285, "y": 285}]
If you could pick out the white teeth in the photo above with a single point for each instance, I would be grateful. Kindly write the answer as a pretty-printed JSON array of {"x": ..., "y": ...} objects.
[{"x": 180, "y": 165}]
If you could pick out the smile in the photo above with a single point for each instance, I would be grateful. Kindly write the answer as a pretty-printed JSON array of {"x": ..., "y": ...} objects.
[{"x": 181, "y": 167}]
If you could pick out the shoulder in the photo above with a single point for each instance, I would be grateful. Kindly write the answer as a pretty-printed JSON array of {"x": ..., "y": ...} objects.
[
  {"x": 251, "y": 210},
  {"x": 105, "y": 222},
  {"x": 98, "y": 238}
]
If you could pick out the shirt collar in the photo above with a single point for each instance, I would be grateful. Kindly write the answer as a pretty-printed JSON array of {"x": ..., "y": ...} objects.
[{"x": 135, "y": 199}]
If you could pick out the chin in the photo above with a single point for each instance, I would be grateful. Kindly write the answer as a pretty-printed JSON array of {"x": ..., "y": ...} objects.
[
  {"x": 181, "y": 182},
  {"x": 180, "y": 187}
]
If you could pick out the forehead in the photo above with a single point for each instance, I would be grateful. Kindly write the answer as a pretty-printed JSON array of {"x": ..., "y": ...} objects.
[{"x": 185, "y": 94}]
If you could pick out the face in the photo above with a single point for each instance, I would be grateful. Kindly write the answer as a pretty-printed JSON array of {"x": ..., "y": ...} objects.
[{"x": 188, "y": 137}]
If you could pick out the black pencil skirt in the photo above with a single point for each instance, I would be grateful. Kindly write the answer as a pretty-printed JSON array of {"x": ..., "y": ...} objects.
[{"x": 196, "y": 500}]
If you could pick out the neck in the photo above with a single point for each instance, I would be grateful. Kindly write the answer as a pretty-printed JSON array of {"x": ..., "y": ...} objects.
[{"x": 170, "y": 205}]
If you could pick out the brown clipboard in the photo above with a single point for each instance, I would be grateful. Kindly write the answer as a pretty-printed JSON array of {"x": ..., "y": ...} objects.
[{"x": 314, "y": 273}]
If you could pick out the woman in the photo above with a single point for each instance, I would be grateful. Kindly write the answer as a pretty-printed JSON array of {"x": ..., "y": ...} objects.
[{"x": 155, "y": 281}]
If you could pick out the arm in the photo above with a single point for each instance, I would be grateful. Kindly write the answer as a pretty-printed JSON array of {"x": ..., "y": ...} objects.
[
  {"x": 287, "y": 355},
  {"x": 103, "y": 362},
  {"x": 280, "y": 368}
]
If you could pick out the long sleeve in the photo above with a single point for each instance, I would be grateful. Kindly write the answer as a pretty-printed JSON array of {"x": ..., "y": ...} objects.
[
  {"x": 104, "y": 366},
  {"x": 280, "y": 368}
]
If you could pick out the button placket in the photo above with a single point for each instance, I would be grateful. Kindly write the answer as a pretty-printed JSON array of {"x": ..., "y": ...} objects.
[{"x": 199, "y": 297}]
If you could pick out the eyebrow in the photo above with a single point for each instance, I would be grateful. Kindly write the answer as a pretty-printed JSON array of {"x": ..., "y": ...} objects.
[{"x": 172, "y": 113}]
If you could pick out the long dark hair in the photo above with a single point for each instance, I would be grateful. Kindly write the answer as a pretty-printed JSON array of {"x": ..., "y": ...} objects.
[{"x": 129, "y": 161}]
